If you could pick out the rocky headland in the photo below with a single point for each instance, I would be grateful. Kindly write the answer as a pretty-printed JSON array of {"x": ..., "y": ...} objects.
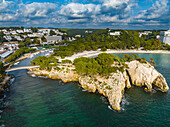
[{"x": 112, "y": 86}]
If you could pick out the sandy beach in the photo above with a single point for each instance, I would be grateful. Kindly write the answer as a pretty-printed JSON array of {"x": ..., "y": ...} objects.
[{"x": 95, "y": 53}]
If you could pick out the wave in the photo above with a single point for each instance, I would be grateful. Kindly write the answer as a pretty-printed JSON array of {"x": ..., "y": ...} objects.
[
  {"x": 12, "y": 80},
  {"x": 124, "y": 102},
  {"x": 2, "y": 125},
  {"x": 84, "y": 90},
  {"x": 32, "y": 75},
  {"x": 110, "y": 108},
  {"x": 45, "y": 77}
]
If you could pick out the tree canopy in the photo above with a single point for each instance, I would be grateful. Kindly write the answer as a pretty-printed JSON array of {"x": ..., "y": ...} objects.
[{"x": 129, "y": 39}]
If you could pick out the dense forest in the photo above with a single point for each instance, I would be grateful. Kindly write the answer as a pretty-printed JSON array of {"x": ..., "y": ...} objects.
[
  {"x": 104, "y": 64},
  {"x": 82, "y": 32},
  {"x": 45, "y": 62},
  {"x": 129, "y": 39}
]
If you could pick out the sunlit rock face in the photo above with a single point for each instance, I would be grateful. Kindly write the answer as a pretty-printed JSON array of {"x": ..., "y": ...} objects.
[
  {"x": 112, "y": 86},
  {"x": 142, "y": 74}
]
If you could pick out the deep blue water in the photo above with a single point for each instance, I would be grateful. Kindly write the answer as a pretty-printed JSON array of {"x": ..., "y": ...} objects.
[{"x": 40, "y": 102}]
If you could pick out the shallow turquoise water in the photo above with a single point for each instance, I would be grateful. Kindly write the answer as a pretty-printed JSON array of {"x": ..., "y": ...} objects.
[{"x": 37, "y": 102}]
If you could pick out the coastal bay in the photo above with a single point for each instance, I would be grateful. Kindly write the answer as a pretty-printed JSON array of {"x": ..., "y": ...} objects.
[{"x": 37, "y": 99}]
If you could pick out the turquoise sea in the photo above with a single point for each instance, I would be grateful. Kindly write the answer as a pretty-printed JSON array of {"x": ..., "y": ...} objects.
[{"x": 42, "y": 102}]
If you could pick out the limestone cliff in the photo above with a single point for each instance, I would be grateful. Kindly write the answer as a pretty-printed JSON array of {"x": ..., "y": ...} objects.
[
  {"x": 112, "y": 86},
  {"x": 66, "y": 75},
  {"x": 142, "y": 74}
]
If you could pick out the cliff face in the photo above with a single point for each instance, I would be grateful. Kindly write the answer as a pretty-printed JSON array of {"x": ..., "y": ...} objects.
[
  {"x": 111, "y": 86},
  {"x": 64, "y": 75},
  {"x": 142, "y": 74}
]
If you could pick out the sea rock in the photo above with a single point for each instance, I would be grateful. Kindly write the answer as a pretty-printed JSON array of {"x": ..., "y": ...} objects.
[
  {"x": 143, "y": 74},
  {"x": 111, "y": 87}
]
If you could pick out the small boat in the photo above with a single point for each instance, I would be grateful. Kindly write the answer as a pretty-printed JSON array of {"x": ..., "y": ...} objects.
[
  {"x": 16, "y": 63},
  {"x": 47, "y": 54},
  {"x": 32, "y": 55}
]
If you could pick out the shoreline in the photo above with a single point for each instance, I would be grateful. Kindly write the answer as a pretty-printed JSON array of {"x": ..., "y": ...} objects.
[{"x": 95, "y": 53}]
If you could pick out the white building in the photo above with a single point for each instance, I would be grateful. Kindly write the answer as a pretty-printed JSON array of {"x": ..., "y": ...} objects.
[
  {"x": 27, "y": 30},
  {"x": 44, "y": 31},
  {"x": 18, "y": 38},
  {"x": 3, "y": 55},
  {"x": 88, "y": 31},
  {"x": 144, "y": 33},
  {"x": 11, "y": 45},
  {"x": 20, "y": 31},
  {"x": 6, "y": 33},
  {"x": 4, "y": 30},
  {"x": 38, "y": 34},
  {"x": 165, "y": 37},
  {"x": 2, "y": 48},
  {"x": 158, "y": 37},
  {"x": 116, "y": 33},
  {"x": 8, "y": 38},
  {"x": 71, "y": 39},
  {"x": 13, "y": 32},
  {"x": 30, "y": 35},
  {"x": 58, "y": 32},
  {"x": 53, "y": 38}
]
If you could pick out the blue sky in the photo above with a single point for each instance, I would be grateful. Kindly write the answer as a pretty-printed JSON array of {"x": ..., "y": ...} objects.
[{"x": 123, "y": 14}]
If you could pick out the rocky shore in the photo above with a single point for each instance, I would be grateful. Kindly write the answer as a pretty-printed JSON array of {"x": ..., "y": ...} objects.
[
  {"x": 5, "y": 85},
  {"x": 112, "y": 86}
]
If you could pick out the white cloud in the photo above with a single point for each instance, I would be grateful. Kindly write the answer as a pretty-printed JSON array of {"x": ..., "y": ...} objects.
[
  {"x": 37, "y": 9},
  {"x": 159, "y": 9},
  {"x": 117, "y": 4},
  {"x": 79, "y": 20},
  {"x": 79, "y": 10},
  {"x": 97, "y": 13}
]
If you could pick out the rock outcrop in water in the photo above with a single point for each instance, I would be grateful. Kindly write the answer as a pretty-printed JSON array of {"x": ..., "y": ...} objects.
[
  {"x": 113, "y": 86},
  {"x": 146, "y": 75}
]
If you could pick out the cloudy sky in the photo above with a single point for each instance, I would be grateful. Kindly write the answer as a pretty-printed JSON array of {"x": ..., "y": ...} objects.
[{"x": 123, "y": 14}]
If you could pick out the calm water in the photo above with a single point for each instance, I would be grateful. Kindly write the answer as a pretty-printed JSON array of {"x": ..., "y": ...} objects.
[{"x": 37, "y": 102}]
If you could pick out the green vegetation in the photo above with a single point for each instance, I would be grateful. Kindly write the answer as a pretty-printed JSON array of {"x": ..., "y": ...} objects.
[
  {"x": 45, "y": 62},
  {"x": 34, "y": 29},
  {"x": 129, "y": 39},
  {"x": 129, "y": 58},
  {"x": 52, "y": 33},
  {"x": 43, "y": 39},
  {"x": 36, "y": 41},
  {"x": 103, "y": 65},
  {"x": 27, "y": 41},
  {"x": 104, "y": 49},
  {"x": 2, "y": 39},
  {"x": 18, "y": 53},
  {"x": 83, "y": 32},
  {"x": 66, "y": 61},
  {"x": 152, "y": 62},
  {"x": 2, "y": 70},
  {"x": 63, "y": 53}
]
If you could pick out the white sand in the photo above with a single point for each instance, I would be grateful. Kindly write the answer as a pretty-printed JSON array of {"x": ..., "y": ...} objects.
[{"x": 95, "y": 53}]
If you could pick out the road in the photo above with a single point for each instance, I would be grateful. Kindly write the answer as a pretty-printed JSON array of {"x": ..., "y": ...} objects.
[{"x": 20, "y": 68}]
